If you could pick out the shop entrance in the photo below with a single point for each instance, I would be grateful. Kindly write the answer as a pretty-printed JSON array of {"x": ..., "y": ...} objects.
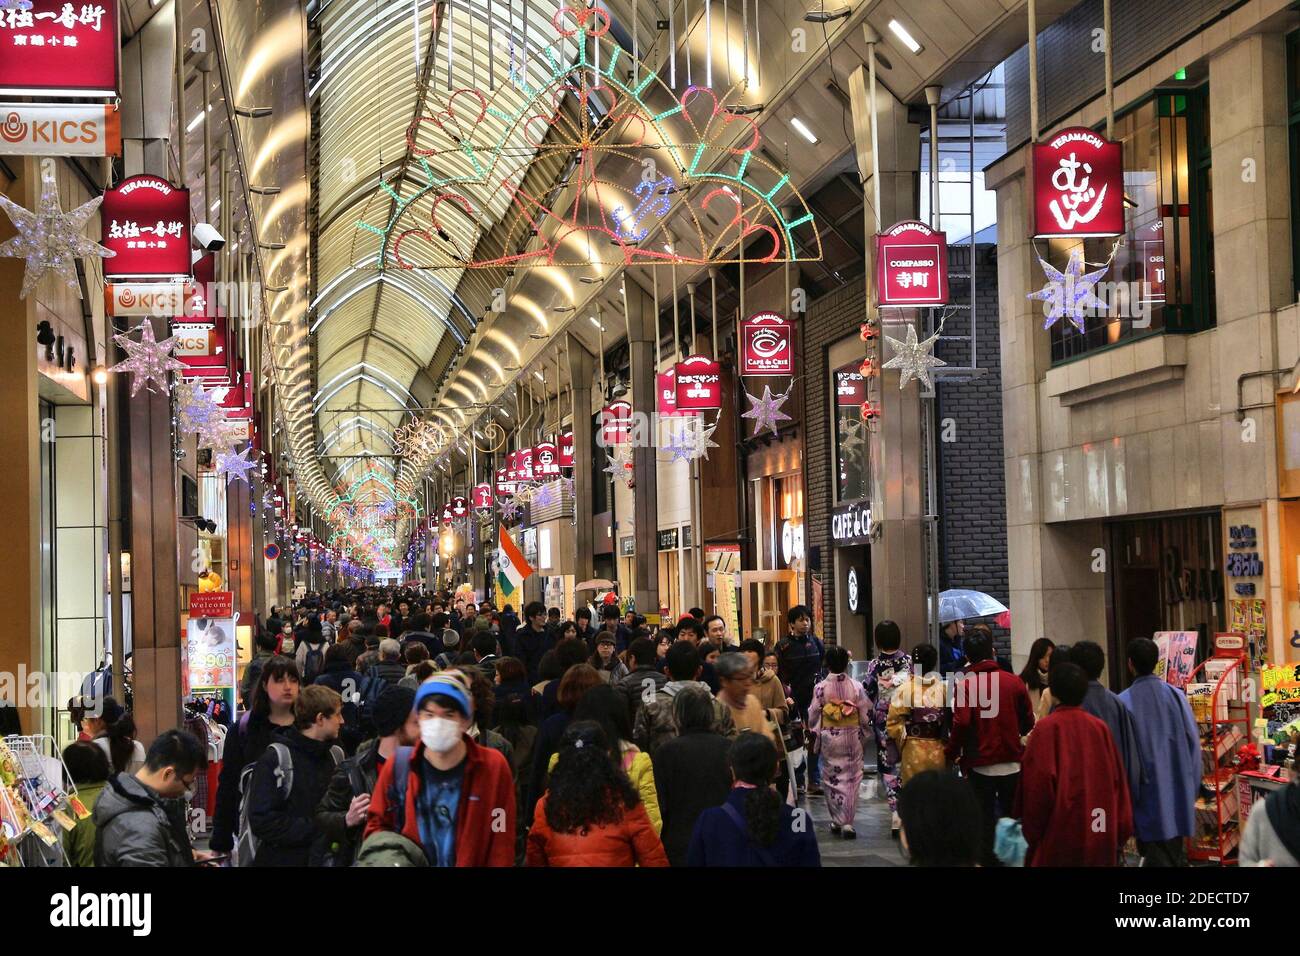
[
  {"x": 1166, "y": 575},
  {"x": 766, "y": 598}
]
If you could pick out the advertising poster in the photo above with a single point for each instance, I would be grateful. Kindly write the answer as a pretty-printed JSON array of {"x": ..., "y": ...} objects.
[
  {"x": 210, "y": 641},
  {"x": 1177, "y": 656}
]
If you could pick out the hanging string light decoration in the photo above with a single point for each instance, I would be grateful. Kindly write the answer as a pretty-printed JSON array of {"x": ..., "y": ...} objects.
[
  {"x": 234, "y": 466},
  {"x": 765, "y": 412},
  {"x": 1072, "y": 294},
  {"x": 148, "y": 360},
  {"x": 48, "y": 238},
  {"x": 914, "y": 359}
]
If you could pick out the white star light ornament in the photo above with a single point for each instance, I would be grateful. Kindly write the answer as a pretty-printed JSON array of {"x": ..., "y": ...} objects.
[
  {"x": 198, "y": 411},
  {"x": 1069, "y": 293},
  {"x": 766, "y": 412},
  {"x": 146, "y": 360},
  {"x": 691, "y": 441},
  {"x": 235, "y": 465},
  {"x": 50, "y": 239},
  {"x": 913, "y": 359}
]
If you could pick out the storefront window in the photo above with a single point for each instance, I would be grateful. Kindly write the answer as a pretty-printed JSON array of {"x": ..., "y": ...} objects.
[
  {"x": 1162, "y": 277},
  {"x": 1293, "y": 102},
  {"x": 851, "y": 473}
]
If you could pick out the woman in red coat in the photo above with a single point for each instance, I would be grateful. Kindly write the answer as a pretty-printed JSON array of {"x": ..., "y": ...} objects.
[{"x": 591, "y": 815}]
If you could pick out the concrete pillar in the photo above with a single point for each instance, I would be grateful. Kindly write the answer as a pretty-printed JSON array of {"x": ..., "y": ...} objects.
[
  {"x": 642, "y": 331},
  {"x": 20, "y": 480},
  {"x": 581, "y": 372},
  {"x": 898, "y": 565}
]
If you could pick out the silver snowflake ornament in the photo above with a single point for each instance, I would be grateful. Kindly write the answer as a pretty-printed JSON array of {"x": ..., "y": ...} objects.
[
  {"x": 766, "y": 412},
  {"x": 1069, "y": 294},
  {"x": 146, "y": 360},
  {"x": 913, "y": 359},
  {"x": 235, "y": 466},
  {"x": 50, "y": 239}
]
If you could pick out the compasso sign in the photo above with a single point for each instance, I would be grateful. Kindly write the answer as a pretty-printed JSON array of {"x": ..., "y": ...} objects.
[
  {"x": 912, "y": 265},
  {"x": 765, "y": 347},
  {"x": 56, "y": 47},
  {"x": 851, "y": 523},
  {"x": 699, "y": 384},
  {"x": 1078, "y": 185},
  {"x": 146, "y": 222}
]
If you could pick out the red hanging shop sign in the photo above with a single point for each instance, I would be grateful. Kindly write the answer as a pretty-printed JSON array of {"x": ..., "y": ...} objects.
[
  {"x": 504, "y": 485},
  {"x": 566, "y": 449},
  {"x": 524, "y": 464},
  {"x": 911, "y": 266},
  {"x": 459, "y": 507},
  {"x": 546, "y": 460},
  {"x": 667, "y": 391},
  {"x": 615, "y": 423},
  {"x": 765, "y": 345},
  {"x": 146, "y": 223},
  {"x": 482, "y": 495},
  {"x": 57, "y": 48},
  {"x": 699, "y": 384},
  {"x": 1078, "y": 185}
]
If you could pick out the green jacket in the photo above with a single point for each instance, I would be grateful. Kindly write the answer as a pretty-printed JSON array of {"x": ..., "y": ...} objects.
[{"x": 79, "y": 842}]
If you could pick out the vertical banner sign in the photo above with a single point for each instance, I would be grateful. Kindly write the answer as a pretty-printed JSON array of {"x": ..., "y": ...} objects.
[
  {"x": 447, "y": 514},
  {"x": 912, "y": 266},
  {"x": 765, "y": 347},
  {"x": 850, "y": 389},
  {"x": 525, "y": 471},
  {"x": 146, "y": 221},
  {"x": 504, "y": 485},
  {"x": 459, "y": 507},
  {"x": 1078, "y": 185},
  {"x": 566, "y": 449},
  {"x": 699, "y": 384},
  {"x": 210, "y": 640},
  {"x": 483, "y": 496},
  {"x": 57, "y": 48},
  {"x": 546, "y": 460},
  {"x": 512, "y": 468},
  {"x": 667, "y": 383},
  {"x": 615, "y": 422}
]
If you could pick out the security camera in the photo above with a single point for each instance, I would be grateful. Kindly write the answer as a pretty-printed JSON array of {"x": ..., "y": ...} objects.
[{"x": 208, "y": 237}]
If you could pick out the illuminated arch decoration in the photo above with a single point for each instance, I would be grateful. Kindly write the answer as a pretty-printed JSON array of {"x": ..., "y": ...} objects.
[{"x": 729, "y": 196}]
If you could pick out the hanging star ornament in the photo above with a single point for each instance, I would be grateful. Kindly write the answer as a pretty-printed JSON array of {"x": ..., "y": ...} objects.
[
  {"x": 509, "y": 509},
  {"x": 50, "y": 239},
  {"x": 620, "y": 464},
  {"x": 691, "y": 441},
  {"x": 766, "y": 412},
  {"x": 197, "y": 409},
  {"x": 1069, "y": 294},
  {"x": 544, "y": 496},
  {"x": 235, "y": 466},
  {"x": 913, "y": 359},
  {"x": 146, "y": 360}
]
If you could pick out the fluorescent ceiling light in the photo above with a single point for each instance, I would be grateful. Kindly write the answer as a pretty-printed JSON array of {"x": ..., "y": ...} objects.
[
  {"x": 196, "y": 121},
  {"x": 904, "y": 37},
  {"x": 596, "y": 323},
  {"x": 802, "y": 130}
]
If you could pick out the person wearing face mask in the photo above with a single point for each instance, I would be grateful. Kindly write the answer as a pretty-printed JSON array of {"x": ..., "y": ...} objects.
[
  {"x": 140, "y": 817},
  {"x": 452, "y": 797}
]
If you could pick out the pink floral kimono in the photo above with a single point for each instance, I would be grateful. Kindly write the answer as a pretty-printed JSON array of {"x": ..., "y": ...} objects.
[{"x": 840, "y": 716}]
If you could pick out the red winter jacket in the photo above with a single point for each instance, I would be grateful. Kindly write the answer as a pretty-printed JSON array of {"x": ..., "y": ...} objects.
[
  {"x": 630, "y": 842},
  {"x": 990, "y": 713},
  {"x": 485, "y": 819}
]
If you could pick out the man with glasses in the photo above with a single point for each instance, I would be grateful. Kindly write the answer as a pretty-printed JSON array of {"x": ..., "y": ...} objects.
[
  {"x": 736, "y": 677},
  {"x": 140, "y": 819}
]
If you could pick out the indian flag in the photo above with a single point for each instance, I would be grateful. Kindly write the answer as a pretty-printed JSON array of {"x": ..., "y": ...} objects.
[{"x": 511, "y": 566}]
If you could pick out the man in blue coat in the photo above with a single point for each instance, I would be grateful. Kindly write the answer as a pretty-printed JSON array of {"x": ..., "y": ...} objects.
[{"x": 1169, "y": 746}]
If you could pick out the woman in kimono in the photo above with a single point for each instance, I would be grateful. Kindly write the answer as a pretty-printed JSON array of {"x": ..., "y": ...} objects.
[
  {"x": 885, "y": 672},
  {"x": 918, "y": 718},
  {"x": 840, "y": 717}
]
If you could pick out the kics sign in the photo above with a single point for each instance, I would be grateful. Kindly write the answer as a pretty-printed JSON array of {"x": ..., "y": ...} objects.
[
  {"x": 31, "y": 129},
  {"x": 765, "y": 347},
  {"x": 147, "y": 224},
  {"x": 145, "y": 298},
  {"x": 1078, "y": 185},
  {"x": 55, "y": 47},
  {"x": 699, "y": 384},
  {"x": 912, "y": 266}
]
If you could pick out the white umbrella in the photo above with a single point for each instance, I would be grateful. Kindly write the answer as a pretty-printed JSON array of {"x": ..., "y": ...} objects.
[{"x": 959, "y": 604}]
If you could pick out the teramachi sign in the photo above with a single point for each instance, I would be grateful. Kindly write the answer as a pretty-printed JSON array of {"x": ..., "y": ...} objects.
[
  {"x": 765, "y": 345},
  {"x": 30, "y": 129},
  {"x": 912, "y": 265},
  {"x": 1078, "y": 185},
  {"x": 146, "y": 222}
]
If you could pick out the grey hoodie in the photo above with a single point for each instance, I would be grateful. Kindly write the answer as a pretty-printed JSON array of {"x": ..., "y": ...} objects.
[{"x": 134, "y": 826}]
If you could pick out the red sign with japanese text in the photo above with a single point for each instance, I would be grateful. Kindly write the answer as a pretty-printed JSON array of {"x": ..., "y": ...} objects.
[
  {"x": 546, "y": 460},
  {"x": 911, "y": 266},
  {"x": 566, "y": 449},
  {"x": 482, "y": 496},
  {"x": 615, "y": 421},
  {"x": 54, "y": 46},
  {"x": 1078, "y": 185},
  {"x": 459, "y": 507},
  {"x": 765, "y": 345},
  {"x": 524, "y": 464},
  {"x": 699, "y": 384},
  {"x": 504, "y": 485},
  {"x": 212, "y": 604},
  {"x": 146, "y": 222},
  {"x": 850, "y": 388},
  {"x": 667, "y": 391}
]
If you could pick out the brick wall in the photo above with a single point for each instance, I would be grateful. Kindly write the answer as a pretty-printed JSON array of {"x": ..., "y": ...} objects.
[
  {"x": 829, "y": 319},
  {"x": 972, "y": 481},
  {"x": 1070, "y": 73}
]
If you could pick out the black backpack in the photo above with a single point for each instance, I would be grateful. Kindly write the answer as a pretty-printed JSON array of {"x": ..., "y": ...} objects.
[
  {"x": 367, "y": 697},
  {"x": 313, "y": 664}
]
